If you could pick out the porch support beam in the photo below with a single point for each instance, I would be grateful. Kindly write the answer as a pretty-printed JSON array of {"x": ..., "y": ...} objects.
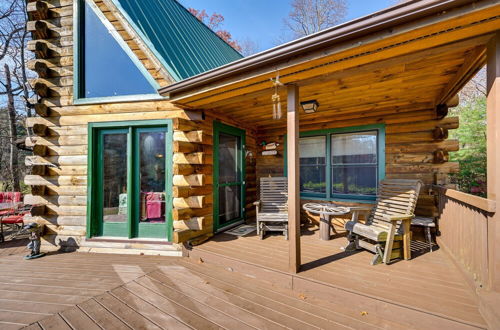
[
  {"x": 293, "y": 177},
  {"x": 493, "y": 157}
]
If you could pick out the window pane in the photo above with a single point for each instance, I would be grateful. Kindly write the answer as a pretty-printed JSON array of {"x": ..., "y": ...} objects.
[
  {"x": 228, "y": 162},
  {"x": 354, "y": 148},
  {"x": 354, "y": 180},
  {"x": 115, "y": 177},
  {"x": 152, "y": 176},
  {"x": 312, "y": 151},
  {"x": 107, "y": 69},
  {"x": 229, "y": 203}
]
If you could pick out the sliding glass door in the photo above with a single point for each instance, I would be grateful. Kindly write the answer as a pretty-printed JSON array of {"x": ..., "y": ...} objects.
[{"x": 130, "y": 180}]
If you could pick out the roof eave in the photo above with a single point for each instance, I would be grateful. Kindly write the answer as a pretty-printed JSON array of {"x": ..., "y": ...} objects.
[{"x": 384, "y": 19}]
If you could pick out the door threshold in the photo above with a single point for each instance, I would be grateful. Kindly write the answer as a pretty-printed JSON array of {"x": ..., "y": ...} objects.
[
  {"x": 218, "y": 231},
  {"x": 158, "y": 241}
]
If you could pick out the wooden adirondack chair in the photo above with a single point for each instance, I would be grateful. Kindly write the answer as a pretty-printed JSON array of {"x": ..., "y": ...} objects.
[
  {"x": 389, "y": 221},
  {"x": 272, "y": 208}
]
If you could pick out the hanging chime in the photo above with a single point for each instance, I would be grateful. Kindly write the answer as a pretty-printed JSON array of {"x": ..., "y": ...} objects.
[{"x": 276, "y": 98}]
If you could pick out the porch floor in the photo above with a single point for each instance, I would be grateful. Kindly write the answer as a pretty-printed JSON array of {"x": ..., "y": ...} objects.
[
  {"x": 429, "y": 284},
  {"x": 252, "y": 290}
]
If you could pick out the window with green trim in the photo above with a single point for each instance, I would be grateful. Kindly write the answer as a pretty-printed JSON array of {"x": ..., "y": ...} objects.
[
  {"x": 105, "y": 66},
  {"x": 345, "y": 163}
]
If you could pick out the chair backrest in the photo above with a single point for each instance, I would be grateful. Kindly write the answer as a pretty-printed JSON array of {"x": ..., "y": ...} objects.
[
  {"x": 10, "y": 197},
  {"x": 274, "y": 191},
  {"x": 395, "y": 197}
]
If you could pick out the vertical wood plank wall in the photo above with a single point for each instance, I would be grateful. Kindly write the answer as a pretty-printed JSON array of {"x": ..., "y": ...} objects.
[{"x": 464, "y": 233}]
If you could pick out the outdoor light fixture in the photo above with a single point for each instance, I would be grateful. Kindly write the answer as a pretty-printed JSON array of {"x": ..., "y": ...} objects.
[{"x": 310, "y": 106}]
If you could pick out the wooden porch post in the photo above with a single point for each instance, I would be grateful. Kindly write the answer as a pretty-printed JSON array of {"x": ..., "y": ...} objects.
[
  {"x": 493, "y": 156},
  {"x": 293, "y": 177}
]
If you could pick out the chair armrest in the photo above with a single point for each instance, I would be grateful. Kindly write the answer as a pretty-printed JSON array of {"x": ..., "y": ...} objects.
[
  {"x": 399, "y": 217},
  {"x": 257, "y": 207},
  {"x": 356, "y": 210}
]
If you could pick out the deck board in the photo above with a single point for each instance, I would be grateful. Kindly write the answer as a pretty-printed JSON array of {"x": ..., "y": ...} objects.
[
  {"x": 253, "y": 290},
  {"x": 430, "y": 282},
  {"x": 32, "y": 290}
]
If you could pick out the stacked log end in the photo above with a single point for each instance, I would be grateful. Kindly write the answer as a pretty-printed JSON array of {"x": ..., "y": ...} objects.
[
  {"x": 49, "y": 21},
  {"x": 192, "y": 179}
]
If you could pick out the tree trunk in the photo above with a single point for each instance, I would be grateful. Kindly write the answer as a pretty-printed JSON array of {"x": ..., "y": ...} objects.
[{"x": 11, "y": 110}]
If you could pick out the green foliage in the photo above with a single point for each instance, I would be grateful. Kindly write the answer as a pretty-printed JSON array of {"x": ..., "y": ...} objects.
[{"x": 472, "y": 154}]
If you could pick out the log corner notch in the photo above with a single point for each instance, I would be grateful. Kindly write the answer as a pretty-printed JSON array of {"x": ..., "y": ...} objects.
[
  {"x": 442, "y": 109},
  {"x": 440, "y": 133},
  {"x": 192, "y": 182},
  {"x": 38, "y": 10},
  {"x": 441, "y": 156}
]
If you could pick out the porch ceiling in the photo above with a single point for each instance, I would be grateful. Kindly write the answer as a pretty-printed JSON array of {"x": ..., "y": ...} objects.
[
  {"x": 407, "y": 83},
  {"x": 407, "y": 67}
]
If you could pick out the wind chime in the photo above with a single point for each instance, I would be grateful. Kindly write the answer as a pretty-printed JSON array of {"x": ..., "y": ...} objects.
[{"x": 276, "y": 97}]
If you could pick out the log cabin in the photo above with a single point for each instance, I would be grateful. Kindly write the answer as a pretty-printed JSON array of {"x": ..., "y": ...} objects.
[{"x": 151, "y": 132}]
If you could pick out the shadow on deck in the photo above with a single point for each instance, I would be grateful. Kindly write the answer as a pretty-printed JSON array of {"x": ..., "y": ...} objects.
[
  {"x": 233, "y": 283},
  {"x": 425, "y": 289}
]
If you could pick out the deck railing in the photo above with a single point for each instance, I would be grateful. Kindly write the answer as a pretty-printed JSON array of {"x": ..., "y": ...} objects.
[{"x": 463, "y": 223}]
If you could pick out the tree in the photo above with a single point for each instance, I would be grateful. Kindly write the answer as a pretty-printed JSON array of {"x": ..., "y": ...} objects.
[
  {"x": 249, "y": 47},
  {"x": 214, "y": 22},
  {"x": 471, "y": 134},
  {"x": 13, "y": 84},
  {"x": 475, "y": 88},
  {"x": 311, "y": 16}
]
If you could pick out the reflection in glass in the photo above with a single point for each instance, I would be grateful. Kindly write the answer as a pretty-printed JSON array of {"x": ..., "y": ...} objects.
[
  {"x": 354, "y": 163},
  {"x": 152, "y": 176},
  {"x": 107, "y": 69},
  {"x": 229, "y": 179},
  {"x": 229, "y": 203},
  {"x": 115, "y": 177},
  {"x": 228, "y": 151},
  {"x": 312, "y": 151}
]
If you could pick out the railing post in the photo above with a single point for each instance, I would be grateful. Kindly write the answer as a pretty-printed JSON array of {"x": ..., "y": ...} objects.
[
  {"x": 493, "y": 158},
  {"x": 293, "y": 177}
]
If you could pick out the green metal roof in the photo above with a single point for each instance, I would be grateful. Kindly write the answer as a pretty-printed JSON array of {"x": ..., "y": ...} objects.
[{"x": 184, "y": 45}]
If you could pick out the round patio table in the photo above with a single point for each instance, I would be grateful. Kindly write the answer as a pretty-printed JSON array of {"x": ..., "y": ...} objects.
[{"x": 325, "y": 211}]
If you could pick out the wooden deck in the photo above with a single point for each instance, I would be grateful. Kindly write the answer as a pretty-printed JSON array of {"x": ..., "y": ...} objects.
[
  {"x": 35, "y": 289},
  {"x": 426, "y": 288},
  {"x": 252, "y": 291}
]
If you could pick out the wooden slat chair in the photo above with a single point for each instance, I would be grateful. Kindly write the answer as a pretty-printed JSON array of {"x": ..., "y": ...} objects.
[
  {"x": 272, "y": 208},
  {"x": 389, "y": 221}
]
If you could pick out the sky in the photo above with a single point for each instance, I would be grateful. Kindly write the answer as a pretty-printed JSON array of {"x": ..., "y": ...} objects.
[{"x": 261, "y": 21}]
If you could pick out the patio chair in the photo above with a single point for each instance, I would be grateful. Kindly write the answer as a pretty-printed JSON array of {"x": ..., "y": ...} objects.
[
  {"x": 13, "y": 221},
  {"x": 272, "y": 208},
  {"x": 388, "y": 222}
]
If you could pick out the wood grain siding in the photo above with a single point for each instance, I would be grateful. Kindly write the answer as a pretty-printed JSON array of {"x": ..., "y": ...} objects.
[
  {"x": 59, "y": 175},
  {"x": 410, "y": 148}
]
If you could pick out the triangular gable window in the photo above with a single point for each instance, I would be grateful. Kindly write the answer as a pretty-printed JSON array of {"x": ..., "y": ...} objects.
[{"x": 105, "y": 67}]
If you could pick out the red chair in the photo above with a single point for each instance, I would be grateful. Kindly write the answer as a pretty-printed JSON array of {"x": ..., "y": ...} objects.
[{"x": 12, "y": 217}]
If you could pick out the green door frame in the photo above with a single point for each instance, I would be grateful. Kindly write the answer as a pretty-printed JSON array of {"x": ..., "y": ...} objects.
[
  {"x": 226, "y": 129},
  {"x": 94, "y": 214},
  {"x": 120, "y": 229}
]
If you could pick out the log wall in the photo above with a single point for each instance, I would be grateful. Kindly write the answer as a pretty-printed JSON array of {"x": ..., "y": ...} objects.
[
  {"x": 59, "y": 164},
  {"x": 416, "y": 148},
  {"x": 416, "y": 139}
]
